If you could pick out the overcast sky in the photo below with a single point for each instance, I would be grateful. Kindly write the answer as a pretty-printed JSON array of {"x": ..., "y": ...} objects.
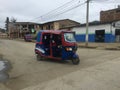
[{"x": 28, "y": 10}]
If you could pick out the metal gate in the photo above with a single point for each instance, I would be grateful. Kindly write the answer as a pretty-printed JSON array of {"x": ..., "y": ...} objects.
[
  {"x": 117, "y": 35},
  {"x": 100, "y": 36}
]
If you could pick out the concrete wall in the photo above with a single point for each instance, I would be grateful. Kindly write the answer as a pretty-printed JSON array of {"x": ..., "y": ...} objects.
[
  {"x": 56, "y": 25},
  {"x": 60, "y": 24},
  {"x": 67, "y": 23},
  {"x": 110, "y": 15},
  {"x": 48, "y": 26},
  {"x": 81, "y": 31}
]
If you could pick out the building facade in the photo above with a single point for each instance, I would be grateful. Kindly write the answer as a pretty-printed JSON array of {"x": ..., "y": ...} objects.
[
  {"x": 19, "y": 29},
  {"x": 110, "y": 15},
  {"x": 99, "y": 32},
  {"x": 59, "y": 24}
]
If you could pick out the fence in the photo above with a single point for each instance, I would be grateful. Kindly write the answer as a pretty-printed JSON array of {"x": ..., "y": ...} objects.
[{"x": 3, "y": 36}]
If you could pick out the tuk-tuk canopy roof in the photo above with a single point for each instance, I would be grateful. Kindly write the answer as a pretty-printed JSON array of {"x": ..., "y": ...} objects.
[
  {"x": 55, "y": 31},
  {"x": 58, "y": 32}
]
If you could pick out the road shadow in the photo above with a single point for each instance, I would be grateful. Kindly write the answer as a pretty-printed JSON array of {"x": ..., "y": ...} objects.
[{"x": 63, "y": 62}]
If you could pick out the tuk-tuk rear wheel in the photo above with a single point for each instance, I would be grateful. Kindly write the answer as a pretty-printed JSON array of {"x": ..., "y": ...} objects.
[
  {"x": 76, "y": 61},
  {"x": 39, "y": 58}
]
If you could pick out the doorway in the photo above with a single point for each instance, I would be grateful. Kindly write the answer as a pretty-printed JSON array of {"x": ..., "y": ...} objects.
[
  {"x": 46, "y": 43},
  {"x": 56, "y": 43},
  {"x": 100, "y": 36},
  {"x": 117, "y": 35}
]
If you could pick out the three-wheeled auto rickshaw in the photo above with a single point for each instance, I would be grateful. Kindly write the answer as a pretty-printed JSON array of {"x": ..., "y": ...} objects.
[{"x": 56, "y": 44}]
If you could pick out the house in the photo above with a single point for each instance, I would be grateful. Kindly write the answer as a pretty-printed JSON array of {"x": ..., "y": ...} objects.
[
  {"x": 2, "y": 30},
  {"x": 99, "y": 32},
  {"x": 19, "y": 29},
  {"x": 110, "y": 15},
  {"x": 106, "y": 30},
  {"x": 59, "y": 24},
  {"x": 2, "y": 33}
]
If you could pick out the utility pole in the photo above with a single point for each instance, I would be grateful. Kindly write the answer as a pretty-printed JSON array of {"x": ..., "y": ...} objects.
[
  {"x": 87, "y": 23},
  {"x": 7, "y": 22}
]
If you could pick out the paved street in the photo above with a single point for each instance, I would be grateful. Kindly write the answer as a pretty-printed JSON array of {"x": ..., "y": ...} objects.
[{"x": 98, "y": 69}]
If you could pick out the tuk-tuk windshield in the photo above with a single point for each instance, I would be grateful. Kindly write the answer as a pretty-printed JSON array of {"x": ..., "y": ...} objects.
[{"x": 69, "y": 37}]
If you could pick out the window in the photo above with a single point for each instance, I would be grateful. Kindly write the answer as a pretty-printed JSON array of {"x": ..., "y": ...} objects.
[
  {"x": 118, "y": 11},
  {"x": 69, "y": 37}
]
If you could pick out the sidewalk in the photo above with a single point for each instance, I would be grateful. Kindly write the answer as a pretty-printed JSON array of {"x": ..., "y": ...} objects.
[{"x": 107, "y": 46}]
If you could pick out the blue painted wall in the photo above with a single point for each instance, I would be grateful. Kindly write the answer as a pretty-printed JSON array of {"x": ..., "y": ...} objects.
[
  {"x": 81, "y": 38},
  {"x": 109, "y": 38},
  {"x": 91, "y": 38}
]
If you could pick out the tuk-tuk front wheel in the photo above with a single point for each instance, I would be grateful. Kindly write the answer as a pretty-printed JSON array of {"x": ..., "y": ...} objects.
[
  {"x": 38, "y": 57},
  {"x": 76, "y": 61}
]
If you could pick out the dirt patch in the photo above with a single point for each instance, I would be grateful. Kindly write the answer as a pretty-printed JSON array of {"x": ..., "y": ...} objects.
[
  {"x": 1, "y": 56},
  {"x": 28, "y": 72}
]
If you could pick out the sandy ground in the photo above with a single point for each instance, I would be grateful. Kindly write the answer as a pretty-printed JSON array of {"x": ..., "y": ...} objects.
[{"x": 98, "y": 70}]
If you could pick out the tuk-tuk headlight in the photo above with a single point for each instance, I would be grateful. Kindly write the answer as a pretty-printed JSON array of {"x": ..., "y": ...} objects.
[{"x": 68, "y": 49}]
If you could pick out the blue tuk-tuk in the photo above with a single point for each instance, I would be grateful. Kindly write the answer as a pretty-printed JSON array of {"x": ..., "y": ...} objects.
[{"x": 56, "y": 44}]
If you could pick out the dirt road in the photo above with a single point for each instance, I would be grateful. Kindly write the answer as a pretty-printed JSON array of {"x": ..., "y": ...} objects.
[{"x": 98, "y": 70}]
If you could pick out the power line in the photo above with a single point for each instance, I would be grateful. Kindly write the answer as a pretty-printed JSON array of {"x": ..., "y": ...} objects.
[
  {"x": 63, "y": 11},
  {"x": 67, "y": 10},
  {"x": 52, "y": 11},
  {"x": 100, "y": 0},
  {"x": 106, "y": 1},
  {"x": 63, "y": 6}
]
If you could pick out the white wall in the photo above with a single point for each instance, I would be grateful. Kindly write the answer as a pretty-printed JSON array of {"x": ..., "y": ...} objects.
[{"x": 82, "y": 30}]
